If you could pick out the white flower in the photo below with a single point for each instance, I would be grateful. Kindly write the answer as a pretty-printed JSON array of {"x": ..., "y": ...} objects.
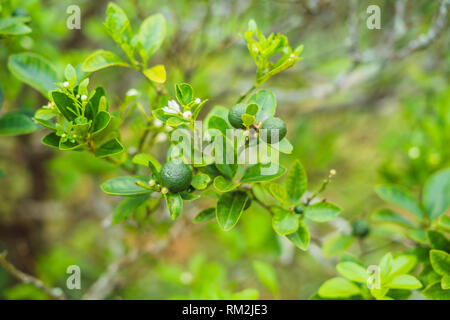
[
  {"x": 66, "y": 84},
  {"x": 83, "y": 97},
  {"x": 292, "y": 55},
  {"x": 157, "y": 123},
  {"x": 197, "y": 101},
  {"x": 132, "y": 92},
  {"x": 187, "y": 115},
  {"x": 172, "y": 107}
]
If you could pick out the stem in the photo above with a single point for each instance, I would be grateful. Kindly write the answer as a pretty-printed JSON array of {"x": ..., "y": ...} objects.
[
  {"x": 55, "y": 293},
  {"x": 242, "y": 97}
]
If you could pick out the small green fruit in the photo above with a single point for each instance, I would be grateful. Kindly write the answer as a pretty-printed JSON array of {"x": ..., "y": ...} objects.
[
  {"x": 298, "y": 209},
  {"x": 234, "y": 116},
  {"x": 360, "y": 228},
  {"x": 271, "y": 125},
  {"x": 176, "y": 177}
]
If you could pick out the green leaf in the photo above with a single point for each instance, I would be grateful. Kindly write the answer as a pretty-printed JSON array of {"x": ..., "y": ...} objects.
[
  {"x": 402, "y": 264},
  {"x": 200, "y": 181},
  {"x": 436, "y": 194},
  {"x": 14, "y": 26},
  {"x": 151, "y": 35},
  {"x": 296, "y": 182},
  {"x": 266, "y": 102},
  {"x": 109, "y": 148},
  {"x": 124, "y": 186},
  {"x": 184, "y": 93},
  {"x": 284, "y": 146},
  {"x": 401, "y": 198},
  {"x": 93, "y": 104},
  {"x": 229, "y": 208},
  {"x": 444, "y": 222},
  {"x": 118, "y": 25},
  {"x": 205, "y": 215},
  {"x": 224, "y": 185},
  {"x": 404, "y": 281},
  {"x": 440, "y": 261},
  {"x": 434, "y": 292},
  {"x": 445, "y": 282},
  {"x": 34, "y": 71},
  {"x": 301, "y": 237},
  {"x": 51, "y": 140},
  {"x": 248, "y": 119},
  {"x": 246, "y": 294},
  {"x": 216, "y": 122},
  {"x": 15, "y": 123},
  {"x": 70, "y": 72},
  {"x": 338, "y": 288},
  {"x": 64, "y": 103},
  {"x": 387, "y": 215},
  {"x": 156, "y": 74},
  {"x": 101, "y": 121},
  {"x": 284, "y": 222},
  {"x": 352, "y": 271},
  {"x": 386, "y": 265},
  {"x": 148, "y": 161},
  {"x": 337, "y": 244},
  {"x": 437, "y": 240},
  {"x": 279, "y": 192},
  {"x": 251, "y": 109},
  {"x": 128, "y": 206},
  {"x": 418, "y": 235},
  {"x": 102, "y": 59},
  {"x": 322, "y": 211},
  {"x": 174, "y": 204},
  {"x": 258, "y": 173},
  {"x": 1, "y": 95},
  {"x": 266, "y": 273}
]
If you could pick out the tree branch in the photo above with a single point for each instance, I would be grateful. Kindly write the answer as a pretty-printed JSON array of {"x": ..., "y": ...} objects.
[{"x": 55, "y": 293}]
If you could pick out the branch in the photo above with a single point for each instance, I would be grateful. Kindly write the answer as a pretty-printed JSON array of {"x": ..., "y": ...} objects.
[
  {"x": 425, "y": 40},
  {"x": 55, "y": 293}
]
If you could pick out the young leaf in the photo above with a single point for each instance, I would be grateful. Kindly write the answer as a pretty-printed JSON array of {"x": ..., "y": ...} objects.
[
  {"x": 151, "y": 35},
  {"x": 156, "y": 74},
  {"x": 402, "y": 264},
  {"x": 301, "y": 237},
  {"x": 51, "y": 140},
  {"x": 266, "y": 273},
  {"x": 296, "y": 182},
  {"x": 337, "y": 244},
  {"x": 266, "y": 102},
  {"x": 322, "y": 211},
  {"x": 229, "y": 208},
  {"x": 387, "y": 215},
  {"x": 124, "y": 186},
  {"x": 184, "y": 93},
  {"x": 224, "y": 185},
  {"x": 126, "y": 208},
  {"x": 436, "y": 194},
  {"x": 34, "y": 71},
  {"x": 102, "y": 59},
  {"x": 65, "y": 105},
  {"x": 279, "y": 192},
  {"x": 258, "y": 173},
  {"x": 440, "y": 261},
  {"x": 16, "y": 123},
  {"x": 284, "y": 222},
  {"x": 435, "y": 292},
  {"x": 109, "y": 148},
  {"x": 401, "y": 198},
  {"x": 404, "y": 281},
  {"x": 174, "y": 204},
  {"x": 205, "y": 215},
  {"x": 438, "y": 241},
  {"x": 149, "y": 161},
  {"x": 101, "y": 121},
  {"x": 352, "y": 271},
  {"x": 338, "y": 288},
  {"x": 200, "y": 181}
]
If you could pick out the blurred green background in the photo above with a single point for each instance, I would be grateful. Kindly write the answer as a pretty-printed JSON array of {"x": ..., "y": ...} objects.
[{"x": 380, "y": 119}]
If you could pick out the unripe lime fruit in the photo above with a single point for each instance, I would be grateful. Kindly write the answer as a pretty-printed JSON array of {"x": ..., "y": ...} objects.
[
  {"x": 176, "y": 177},
  {"x": 360, "y": 228},
  {"x": 272, "y": 125},
  {"x": 234, "y": 116},
  {"x": 298, "y": 209}
]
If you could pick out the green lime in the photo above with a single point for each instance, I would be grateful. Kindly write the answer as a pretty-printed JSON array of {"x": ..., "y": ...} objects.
[
  {"x": 273, "y": 126},
  {"x": 234, "y": 116},
  {"x": 176, "y": 177},
  {"x": 360, "y": 228},
  {"x": 298, "y": 209}
]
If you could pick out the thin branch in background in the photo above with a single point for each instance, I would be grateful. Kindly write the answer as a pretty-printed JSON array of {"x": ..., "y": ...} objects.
[
  {"x": 425, "y": 40},
  {"x": 54, "y": 293}
]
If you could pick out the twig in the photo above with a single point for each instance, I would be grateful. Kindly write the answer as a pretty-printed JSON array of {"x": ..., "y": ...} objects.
[
  {"x": 424, "y": 40},
  {"x": 55, "y": 293}
]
